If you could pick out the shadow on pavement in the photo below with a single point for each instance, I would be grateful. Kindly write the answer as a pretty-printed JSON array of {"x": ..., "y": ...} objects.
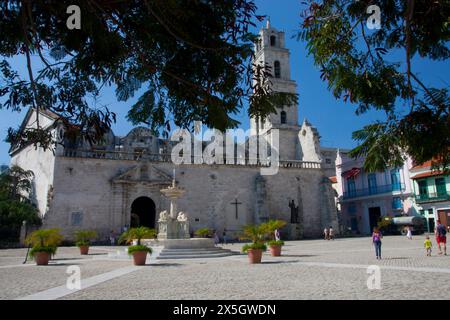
[
  {"x": 299, "y": 255},
  {"x": 278, "y": 262},
  {"x": 163, "y": 265}
]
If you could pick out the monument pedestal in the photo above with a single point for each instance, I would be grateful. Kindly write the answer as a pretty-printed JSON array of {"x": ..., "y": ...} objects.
[
  {"x": 187, "y": 248},
  {"x": 174, "y": 240},
  {"x": 173, "y": 229},
  {"x": 294, "y": 231}
]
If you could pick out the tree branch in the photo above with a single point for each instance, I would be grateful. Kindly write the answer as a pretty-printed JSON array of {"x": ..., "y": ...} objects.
[
  {"x": 408, "y": 17},
  {"x": 26, "y": 4}
]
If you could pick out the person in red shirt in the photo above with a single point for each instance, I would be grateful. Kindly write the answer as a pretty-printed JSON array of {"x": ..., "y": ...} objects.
[{"x": 441, "y": 237}]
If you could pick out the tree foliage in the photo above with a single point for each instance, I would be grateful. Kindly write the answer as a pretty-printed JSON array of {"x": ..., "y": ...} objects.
[
  {"x": 16, "y": 183},
  {"x": 357, "y": 65},
  {"x": 191, "y": 60},
  {"x": 15, "y": 205}
]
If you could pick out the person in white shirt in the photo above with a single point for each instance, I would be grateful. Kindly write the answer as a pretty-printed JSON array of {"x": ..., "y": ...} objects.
[
  {"x": 331, "y": 233},
  {"x": 408, "y": 233},
  {"x": 277, "y": 234}
]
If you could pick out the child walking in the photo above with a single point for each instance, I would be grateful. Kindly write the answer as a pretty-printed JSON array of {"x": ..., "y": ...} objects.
[
  {"x": 408, "y": 233},
  {"x": 427, "y": 244}
]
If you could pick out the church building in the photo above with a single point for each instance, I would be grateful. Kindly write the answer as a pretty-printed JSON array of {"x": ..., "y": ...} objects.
[{"x": 117, "y": 184}]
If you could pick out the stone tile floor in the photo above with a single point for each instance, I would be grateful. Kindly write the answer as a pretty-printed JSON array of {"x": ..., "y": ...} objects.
[{"x": 309, "y": 269}]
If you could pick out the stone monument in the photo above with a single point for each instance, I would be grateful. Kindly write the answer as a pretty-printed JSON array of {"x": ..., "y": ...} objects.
[
  {"x": 174, "y": 239},
  {"x": 173, "y": 225},
  {"x": 294, "y": 228}
]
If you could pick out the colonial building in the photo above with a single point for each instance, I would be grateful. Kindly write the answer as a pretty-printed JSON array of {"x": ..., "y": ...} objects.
[
  {"x": 432, "y": 194},
  {"x": 117, "y": 184},
  {"x": 366, "y": 197}
]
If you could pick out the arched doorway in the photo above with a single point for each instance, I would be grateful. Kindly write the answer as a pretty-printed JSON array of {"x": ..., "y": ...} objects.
[{"x": 143, "y": 213}]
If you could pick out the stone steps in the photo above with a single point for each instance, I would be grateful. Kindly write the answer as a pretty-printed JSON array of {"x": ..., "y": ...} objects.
[
  {"x": 194, "y": 253},
  {"x": 163, "y": 253}
]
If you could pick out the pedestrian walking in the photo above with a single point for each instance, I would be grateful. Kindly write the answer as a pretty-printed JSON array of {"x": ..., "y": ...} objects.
[
  {"x": 441, "y": 237},
  {"x": 216, "y": 238},
  {"x": 376, "y": 240},
  {"x": 325, "y": 234},
  {"x": 112, "y": 237},
  {"x": 331, "y": 233},
  {"x": 408, "y": 233},
  {"x": 428, "y": 245},
  {"x": 277, "y": 234},
  {"x": 224, "y": 236}
]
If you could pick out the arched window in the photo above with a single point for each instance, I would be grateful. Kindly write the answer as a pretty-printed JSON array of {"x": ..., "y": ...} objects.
[
  {"x": 283, "y": 117},
  {"x": 273, "y": 41},
  {"x": 277, "y": 69}
]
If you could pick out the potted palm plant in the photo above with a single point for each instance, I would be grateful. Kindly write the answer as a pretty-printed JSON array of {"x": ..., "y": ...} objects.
[
  {"x": 83, "y": 238},
  {"x": 254, "y": 250},
  {"x": 203, "y": 233},
  {"x": 138, "y": 250},
  {"x": 43, "y": 243},
  {"x": 274, "y": 243}
]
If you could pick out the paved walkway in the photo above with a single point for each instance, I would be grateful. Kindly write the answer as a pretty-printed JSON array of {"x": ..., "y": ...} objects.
[{"x": 310, "y": 269}]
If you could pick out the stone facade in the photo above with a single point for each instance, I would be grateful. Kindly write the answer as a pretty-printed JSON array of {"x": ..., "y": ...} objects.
[{"x": 105, "y": 187}]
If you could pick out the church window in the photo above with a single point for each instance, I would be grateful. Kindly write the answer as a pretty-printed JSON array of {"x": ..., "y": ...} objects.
[
  {"x": 283, "y": 117},
  {"x": 277, "y": 69},
  {"x": 273, "y": 41}
]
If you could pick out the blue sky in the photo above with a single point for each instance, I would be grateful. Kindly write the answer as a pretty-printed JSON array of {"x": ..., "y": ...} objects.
[{"x": 334, "y": 119}]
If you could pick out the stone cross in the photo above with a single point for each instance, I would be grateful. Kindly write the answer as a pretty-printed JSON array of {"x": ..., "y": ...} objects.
[{"x": 236, "y": 203}]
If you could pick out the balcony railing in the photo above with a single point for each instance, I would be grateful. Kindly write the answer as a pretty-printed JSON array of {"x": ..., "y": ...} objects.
[
  {"x": 389, "y": 188},
  {"x": 152, "y": 157},
  {"x": 433, "y": 197}
]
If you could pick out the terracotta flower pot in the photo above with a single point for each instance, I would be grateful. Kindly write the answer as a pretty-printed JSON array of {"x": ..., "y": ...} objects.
[
  {"x": 84, "y": 249},
  {"x": 42, "y": 258},
  {"x": 275, "y": 250},
  {"x": 139, "y": 258},
  {"x": 254, "y": 255}
]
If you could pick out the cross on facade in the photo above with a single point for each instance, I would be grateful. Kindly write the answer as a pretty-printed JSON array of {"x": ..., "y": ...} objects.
[{"x": 236, "y": 203}]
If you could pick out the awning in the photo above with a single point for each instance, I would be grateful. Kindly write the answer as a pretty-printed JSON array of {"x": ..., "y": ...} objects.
[{"x": 351, "y": 173}]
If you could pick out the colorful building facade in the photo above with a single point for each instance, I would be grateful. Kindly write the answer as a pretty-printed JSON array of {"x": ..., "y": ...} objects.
[
  {"x": 366, "y": 197},
  {"x": 431, "y": 194}
]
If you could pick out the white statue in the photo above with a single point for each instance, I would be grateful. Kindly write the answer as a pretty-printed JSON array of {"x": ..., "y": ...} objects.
[
  {"x": 182, "y": 216},
  {"x": 163, "y": 216}
]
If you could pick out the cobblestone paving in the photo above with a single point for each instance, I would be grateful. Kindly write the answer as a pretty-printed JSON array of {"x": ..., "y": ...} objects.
[{"x": 311, "y": 269}]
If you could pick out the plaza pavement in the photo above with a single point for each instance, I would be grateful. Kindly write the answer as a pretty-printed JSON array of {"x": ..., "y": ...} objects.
[{"x": 309, "y": 269}]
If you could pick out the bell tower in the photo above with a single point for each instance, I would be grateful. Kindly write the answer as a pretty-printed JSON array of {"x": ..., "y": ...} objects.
[{"x": 270, "y": 50}]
